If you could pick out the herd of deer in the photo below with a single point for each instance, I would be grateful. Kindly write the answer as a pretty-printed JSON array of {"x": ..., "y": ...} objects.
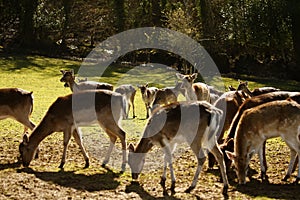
[{"x": 250, "y": 117}]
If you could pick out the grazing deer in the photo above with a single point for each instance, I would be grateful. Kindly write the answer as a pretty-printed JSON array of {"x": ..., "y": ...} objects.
[
  {"x": 269, "y": 120},
  {"x": 148, "y": 94},
  {"x": 69, "y": 79},
  {"x": 193, "y": 122},
  {"x": 248, "y": 104},
  {"x": 229, "y": 103},
  {"x": 128, "y": 91},
  {"x": 71, "y": 111},
  {"x": 194, "y": 91},
  {"x": 17, "y": 104},
  {"x": 166, "y": 95},
  {"x": 257, "y": 91}
]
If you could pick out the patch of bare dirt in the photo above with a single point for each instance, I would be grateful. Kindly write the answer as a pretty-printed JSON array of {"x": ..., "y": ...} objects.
[{"x": 45, "y": 181}]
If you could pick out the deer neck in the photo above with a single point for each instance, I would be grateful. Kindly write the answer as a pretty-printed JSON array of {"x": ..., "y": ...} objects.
[
  {"x": 73, "y": 85},
  {"x": 144, "y": 146},
  {"x": 39, "y": 133},
  {"x": 190, "y": 93}
]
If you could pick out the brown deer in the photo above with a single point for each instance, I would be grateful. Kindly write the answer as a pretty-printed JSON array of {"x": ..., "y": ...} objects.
[
  {"x": 243, "y": 86},
  {"x": 166, "y": 95},
  {"x": 69, "y": 79},
  {"x": 69, "y": 112},
  {"x": 248, "y": 104},
  {"x": 195, "y": 123},
  {"x": 148, "y": 94},
  {"x": 194, "y": 91},
  {"x": 17, "y": 104},
  {"x": 269, "y": 120},
  {"x": 128, "y": 91}
]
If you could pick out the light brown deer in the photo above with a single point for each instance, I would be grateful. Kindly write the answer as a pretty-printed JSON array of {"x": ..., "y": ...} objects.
[
  {"x": 166, "y": 95},
  {"x": 248, "y": 104},
  {"x": 194, "y": 91},
  {"x": 82, "y": 108},
  {"x": 128, "y": 91},
  {"x": 195, "y": 123},
  {"x": 148, "y": 94},
  {"x": 69, "y": 79},
  {"x": 269, "y": 120},
  {"x": 17, "y": 104}
]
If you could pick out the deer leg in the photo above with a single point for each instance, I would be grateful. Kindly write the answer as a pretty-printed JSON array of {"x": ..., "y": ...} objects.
[
  {"x": 132, "y": 105},
  {"x": 298, "y": 176},
  {"x": 201, "y": 160},
  {"x": 112, "y": 139},
  {"x": 147, "y": 110},
  {"x": 77, "y": 136},
  {"x": 168, "y": 159},
  {"x": 216, "y": 151},
  {"x": 293, "y": 155},
  {"x": 67, "y": 136},
  {"x": 262, "y": 161}
]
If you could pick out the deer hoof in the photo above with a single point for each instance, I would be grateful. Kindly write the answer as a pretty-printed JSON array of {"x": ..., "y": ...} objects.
[
  {"x": 172, "y": 187},
  {"x": 87, "y": 164},
  {"x": 286, "y": 178},
  {"x": 163, "y": 181},
  {"x": 189, "y": 189},
  {"x": 61, "y": 166},
  {"x": 123, "y": 167},
  {"x": 225, "y": 190}
]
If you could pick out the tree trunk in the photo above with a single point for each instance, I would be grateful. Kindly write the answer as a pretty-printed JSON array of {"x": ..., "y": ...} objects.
[
  {"x": 295, "y": 16},
  {"x": 27, "y": 30},
  {"x": 120, "y": 14}
]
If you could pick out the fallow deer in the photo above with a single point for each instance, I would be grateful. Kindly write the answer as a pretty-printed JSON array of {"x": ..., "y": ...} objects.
[
  {"x": 243, "y": 86},
  {"x": 17, "y": 104},
  {"x": 229, "y": 103},
  {"x": 195, "y": 123},
  {"x": 128, "y": 91},
  {"x": 166, "y": 95},
  {"x": 82, "y": 108},
  {"x": 194, "y": 91},
  {"x": 69, "y": 79},
  {"x": 148, "y": 94},
  {"x": 248, "y": 104},
  {"x": 269, "y": 120}
]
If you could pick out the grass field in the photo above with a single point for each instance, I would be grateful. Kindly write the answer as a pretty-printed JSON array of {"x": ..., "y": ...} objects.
[{"x": 44, "y": 180}]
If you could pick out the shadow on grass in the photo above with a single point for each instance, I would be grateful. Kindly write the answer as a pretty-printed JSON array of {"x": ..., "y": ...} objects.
[
  {"x": 88, "y": 182},
  {"x": 256, "y": 188},
  {"x": 138, "y": 189},
  {"x": 10, "y": 165}
]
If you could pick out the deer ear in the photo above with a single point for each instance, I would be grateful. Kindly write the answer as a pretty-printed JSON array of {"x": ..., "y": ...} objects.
[
  {"x": 62, "y": 71},
  {"x": 25, "y": 139},
  {"x": 131, "y": 148},
  {"x": 179, "y": 76},
  {"x": 230, "y": 155},
  {"x": 194, "y": 76},
  {"x": 246, "y": 82}
]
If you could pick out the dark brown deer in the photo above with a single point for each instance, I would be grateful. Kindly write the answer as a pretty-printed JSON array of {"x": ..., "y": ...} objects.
[
  {"x": 68, "y": 112},
  {"x": 195, "y": 123},
  {"x": 69, "y": 79}
]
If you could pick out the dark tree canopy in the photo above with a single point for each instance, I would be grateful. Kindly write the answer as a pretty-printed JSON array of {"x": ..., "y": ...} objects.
[{"x": 250, "y": 36}]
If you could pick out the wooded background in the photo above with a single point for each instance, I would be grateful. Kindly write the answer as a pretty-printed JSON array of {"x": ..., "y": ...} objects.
[{"x": 254, "y": 37}]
